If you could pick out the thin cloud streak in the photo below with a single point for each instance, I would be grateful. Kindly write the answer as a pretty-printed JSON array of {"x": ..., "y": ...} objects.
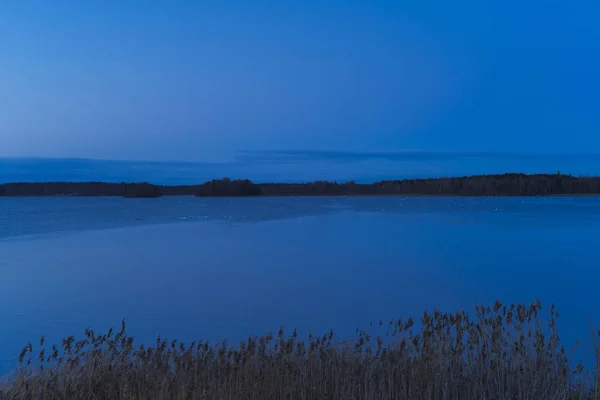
[
  {"x": 299, "y": 166},
  {"x": 280, "y": 156}
]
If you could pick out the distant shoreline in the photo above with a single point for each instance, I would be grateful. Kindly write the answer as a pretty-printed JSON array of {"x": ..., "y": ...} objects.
[{"x": 509, "y": 184}]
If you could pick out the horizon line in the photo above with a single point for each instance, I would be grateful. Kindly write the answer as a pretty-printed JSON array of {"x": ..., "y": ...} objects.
[{"x": 558, "y": 173}]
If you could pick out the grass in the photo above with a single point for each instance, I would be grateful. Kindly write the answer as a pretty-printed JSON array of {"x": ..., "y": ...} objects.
[{"x": 496, "y": 352}]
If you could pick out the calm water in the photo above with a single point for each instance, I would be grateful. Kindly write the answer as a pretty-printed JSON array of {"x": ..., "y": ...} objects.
[{"x": 191, "y": 268}]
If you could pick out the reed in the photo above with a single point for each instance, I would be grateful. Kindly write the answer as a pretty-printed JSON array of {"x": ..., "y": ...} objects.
[{"x": 496, "y": 352}]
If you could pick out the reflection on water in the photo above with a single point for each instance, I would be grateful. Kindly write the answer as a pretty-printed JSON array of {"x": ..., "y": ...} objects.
[{"x": 191, "y": 268}]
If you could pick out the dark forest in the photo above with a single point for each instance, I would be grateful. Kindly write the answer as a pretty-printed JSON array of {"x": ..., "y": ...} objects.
[{"x": 510, "y": 184}]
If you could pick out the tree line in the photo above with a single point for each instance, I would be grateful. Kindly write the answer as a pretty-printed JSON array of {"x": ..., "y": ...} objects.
[
  {"x": 510, "y": 184},
  {"x": 80, "y": 189}
]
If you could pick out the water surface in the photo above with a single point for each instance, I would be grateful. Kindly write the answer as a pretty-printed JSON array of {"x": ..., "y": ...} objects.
[{"x": 190, "y": 268}]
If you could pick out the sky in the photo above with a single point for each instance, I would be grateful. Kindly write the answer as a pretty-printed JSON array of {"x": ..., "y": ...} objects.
[{"x": 349, "y": 88}]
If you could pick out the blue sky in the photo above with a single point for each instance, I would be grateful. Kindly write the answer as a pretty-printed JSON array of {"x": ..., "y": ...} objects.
[{"x": 510, "y": 84}]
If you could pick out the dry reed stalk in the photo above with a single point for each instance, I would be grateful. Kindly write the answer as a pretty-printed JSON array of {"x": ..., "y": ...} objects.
[{"x": 498, "y": 352}]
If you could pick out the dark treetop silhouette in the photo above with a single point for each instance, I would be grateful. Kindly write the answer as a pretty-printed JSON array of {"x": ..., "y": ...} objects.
[{"x": 510, "y": 184}]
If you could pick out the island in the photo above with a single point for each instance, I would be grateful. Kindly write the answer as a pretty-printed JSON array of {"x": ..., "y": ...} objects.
[{"x": 508, "y": 184}]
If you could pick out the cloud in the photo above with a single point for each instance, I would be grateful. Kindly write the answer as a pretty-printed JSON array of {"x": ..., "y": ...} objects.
[
  {"x": 301, "y": 165},
  {"x": 72, "y": 169},
  {"x": 293, "y": 156}
]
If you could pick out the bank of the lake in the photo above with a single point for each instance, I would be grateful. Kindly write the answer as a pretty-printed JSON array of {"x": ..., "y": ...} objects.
[
  {"x": 495, "y": 351},
  {"x": 509, "y": 184}
]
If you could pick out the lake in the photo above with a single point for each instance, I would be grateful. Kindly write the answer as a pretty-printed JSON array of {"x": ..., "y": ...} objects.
[{"x": 191, "y": 268}]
